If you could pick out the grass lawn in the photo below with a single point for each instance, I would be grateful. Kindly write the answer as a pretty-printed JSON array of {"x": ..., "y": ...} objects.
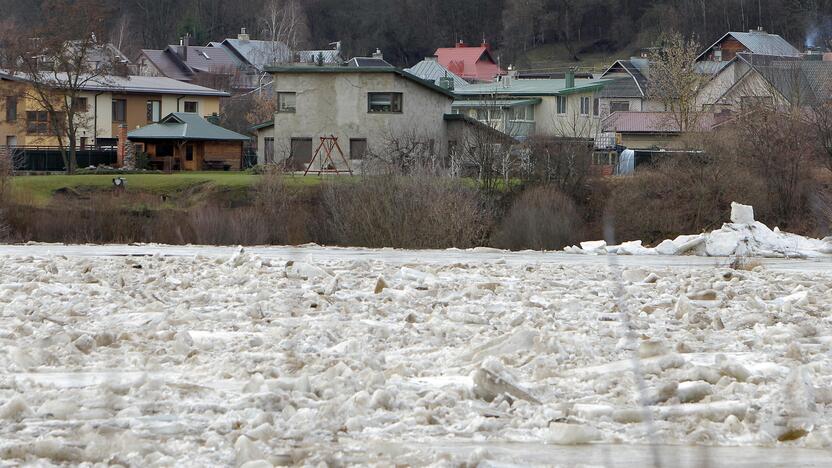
[{"x": 40, "y": 189}]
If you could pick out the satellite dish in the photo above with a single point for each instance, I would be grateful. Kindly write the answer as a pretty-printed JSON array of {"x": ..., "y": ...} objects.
[{"x": 119, "y": 182}]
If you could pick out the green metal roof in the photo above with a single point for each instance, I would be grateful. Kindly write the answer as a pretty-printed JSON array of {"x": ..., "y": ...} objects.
[
  {"x": 185, "y": 126},
  {"x": 263, "y": 125},
  {"x": 531, "y": 87},
  {"x": 501, "y": 103},
  {"x": 340, "y": 69}
]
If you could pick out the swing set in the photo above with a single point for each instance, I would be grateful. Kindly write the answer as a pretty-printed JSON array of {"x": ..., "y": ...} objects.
[{"x": 324, "y": 158}]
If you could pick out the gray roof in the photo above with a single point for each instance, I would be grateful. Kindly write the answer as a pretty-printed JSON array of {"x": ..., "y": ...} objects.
[
  {"x": 368, "y": 62},
  {"x": 759, "y": 42},
  {"x": 184, "y": 126},
  {"x": 167, "y": 66},
  {"x": 708, "y": 67},
  {"x": 132, "y": 84},
  {"x": 205, "y": 59},
  {"x": 801, "y": 82},
  {"x": 638, "y": 81},
  {"x": 621, "y": 88},
  {"x": 432, "y": 70},
  {"x": 259, "y": 54}
]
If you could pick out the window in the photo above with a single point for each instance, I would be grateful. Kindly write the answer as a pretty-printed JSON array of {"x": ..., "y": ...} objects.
[
  {"x": 38, "y": 122},
  {"x": 191, "y": 107},
  {"x": 384, "y": 102},
  {"x": 561, "y": 104},
  {"x": 620, "y": 106},
  {"x": 119, "y": 110},
  {"x": 596, "y": 107},
  {"x": 84, "y": 143},
  {"x": 11, "y": 109},
  {"x": 268, "y": 149},
  {"x": 584, "y": 105},
  {"x": 522, "y": 113},
  {"x": 482, "y": 115},
  {"x": 189, "y": 153},
  {"x": 358, "y": 148},
  {"x": 286, "y": 102},
  {"x": 79, "y": 105},
  {"x": 154, "y": 111}
]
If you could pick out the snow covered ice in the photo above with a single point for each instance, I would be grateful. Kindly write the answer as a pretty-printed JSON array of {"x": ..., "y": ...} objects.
[
  {"x": 242, "y": 358},
  {"x": 742, "y": 237}
]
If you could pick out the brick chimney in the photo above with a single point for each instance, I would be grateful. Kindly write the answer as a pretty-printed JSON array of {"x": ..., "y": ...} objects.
[
  {"x": 243, "y": 36},
  {"x": 183, "y": 47},
  {"x": 378, "y": 54},
  {"x": 461, "y": 44},
  {"x": 122, "y": 144}
]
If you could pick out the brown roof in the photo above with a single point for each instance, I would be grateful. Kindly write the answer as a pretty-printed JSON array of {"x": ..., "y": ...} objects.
[{"x": 651, "y": 122}]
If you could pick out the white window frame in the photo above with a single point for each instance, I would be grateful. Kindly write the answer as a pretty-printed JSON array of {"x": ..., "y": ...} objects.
[
  {"x": 287, "y": 102},
  {"x": 561, "y": 109}
]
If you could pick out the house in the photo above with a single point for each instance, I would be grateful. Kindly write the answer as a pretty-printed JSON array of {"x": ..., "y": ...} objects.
[
  {"x": 522, "y": 108},
  {"x": 188, "y": 142},
  {"x": 751, "y": 80},
  {"x": 756, "y": 41},
  {"x": 430, "y": 69},
  {"x": 253, "y": 56},
  {"x": 104, "y": 105},
  {"x": 652, "y": 130},
  {"x": 471, "y": 63},
  {"x": 194, "y": 64},
  {"x": 627, "y": 89},
  {"x": 368, "y": 109}
]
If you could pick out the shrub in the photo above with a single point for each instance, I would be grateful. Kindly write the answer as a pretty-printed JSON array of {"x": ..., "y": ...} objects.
[
  {"x": 541, "y": 218},
  {"x": 405, "y": 212}
]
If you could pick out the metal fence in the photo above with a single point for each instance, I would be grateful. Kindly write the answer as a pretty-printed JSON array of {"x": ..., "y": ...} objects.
[{"x": 48, "y": 158}]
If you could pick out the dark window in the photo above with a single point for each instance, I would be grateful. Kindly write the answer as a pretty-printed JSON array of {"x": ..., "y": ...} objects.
[
  {"x": 561, "y": 104},
  {"x": 620, "y": 106},
  {"x": 119, "y": 110},
  {"x": 191, "y": 107},
  {"x": 268, "y": 149},
  {"x": 596, "y": 107},
  {"x": 384, "y": 102},
  {"x": 11, "y": 108},
  {"x": 358, "y": 148},
  {"x": 84, "y": 143},
  {"x": 301, "y": 152},
  {"x": 584, "y": 105},
  {"x": 154, "y": 111},
  {"x": 37, "y": 122},
  {"x": 286, "y": 102},
  {"x": 79, "y": 104},
  {"x": 164, "y": 149},
  {"x": 189, "y": 153}
]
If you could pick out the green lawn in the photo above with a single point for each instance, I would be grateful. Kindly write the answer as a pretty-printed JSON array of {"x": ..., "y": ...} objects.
[{"x": 40, "y": 189}]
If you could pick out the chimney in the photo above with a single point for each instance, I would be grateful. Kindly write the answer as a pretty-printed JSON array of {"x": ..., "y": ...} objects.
[
  {"x": 431, "y": 58},
  {"x": 378, "y": 55},
  {"x": 570, "y": 79},
  {"x": 184, "y": 42},
  {"x": 122, "y": 144},
  {"x": 461, "y": 44},
  {"x": 243, "y": 36}
]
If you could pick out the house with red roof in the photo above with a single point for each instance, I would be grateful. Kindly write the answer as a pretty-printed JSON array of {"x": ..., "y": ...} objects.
[{"x": 471, "y": 63}]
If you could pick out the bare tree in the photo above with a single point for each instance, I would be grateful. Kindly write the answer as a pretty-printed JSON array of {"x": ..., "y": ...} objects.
[
  {"x": 57, "y": 68},
  {"x": 284, "y": 26},
  {"x": 674, "y": 81}
]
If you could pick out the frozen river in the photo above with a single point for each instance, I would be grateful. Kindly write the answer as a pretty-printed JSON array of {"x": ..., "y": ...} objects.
[{"x": 147, "y": 355}]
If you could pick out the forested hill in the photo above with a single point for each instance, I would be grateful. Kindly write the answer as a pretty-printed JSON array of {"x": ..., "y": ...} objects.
[{"x": 407, "y": 30}]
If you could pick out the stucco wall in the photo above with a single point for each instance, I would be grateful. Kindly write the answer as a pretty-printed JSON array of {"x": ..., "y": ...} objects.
[
  {"x": 335, "y": 103},
  {"x": 571, "y": 124}
]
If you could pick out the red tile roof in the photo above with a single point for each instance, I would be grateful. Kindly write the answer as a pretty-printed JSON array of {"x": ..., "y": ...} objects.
[{"x": 472, "y": 63}]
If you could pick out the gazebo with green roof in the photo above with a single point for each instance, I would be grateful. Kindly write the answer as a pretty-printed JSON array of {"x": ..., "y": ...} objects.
[{"x": 188, "y": 142}]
